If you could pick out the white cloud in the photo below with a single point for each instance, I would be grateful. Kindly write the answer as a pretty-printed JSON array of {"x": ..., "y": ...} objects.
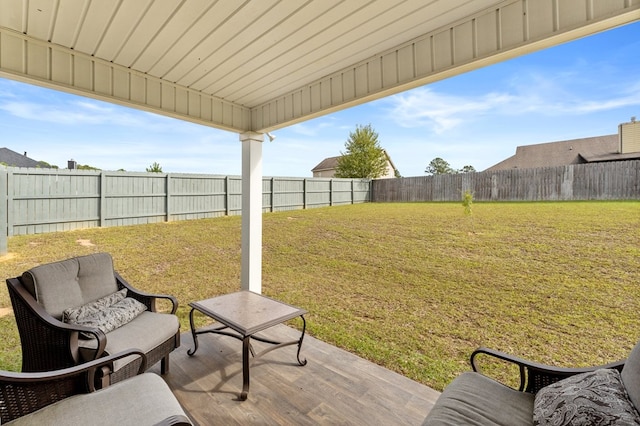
[
  {"x": 73, "y": 113},
  {"x": 440, "y": 112},
  {"x": 531, "y": 93},
  {"x": 313, "y": 127},
  {"x": 629, "y": 98}
]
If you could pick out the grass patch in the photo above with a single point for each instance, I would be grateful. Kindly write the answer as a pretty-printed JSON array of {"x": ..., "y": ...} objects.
[{"x": 409, "y": 286}]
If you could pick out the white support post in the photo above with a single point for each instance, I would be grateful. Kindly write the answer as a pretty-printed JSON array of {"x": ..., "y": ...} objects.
[
  {"x": 4, "y": 208},
  {"x": 251, "y": 272}
]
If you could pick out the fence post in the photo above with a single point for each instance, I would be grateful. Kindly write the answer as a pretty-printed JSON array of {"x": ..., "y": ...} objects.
[
  {"x": 304, "y": 193},
  {"x": 330, "y": 192},
  {"x": 103, "y": 198},
  {"x": 272, "y": 194},
  {"x": 167, "y": 191},
  {"x": 370, "y": 189},
  {"x": 4, "y": 208},
  {"x": 353, "y": 195},
  {"x": 227, "y": 196}
]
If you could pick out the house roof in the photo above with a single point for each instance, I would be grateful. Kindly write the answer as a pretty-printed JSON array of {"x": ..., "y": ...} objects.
[
  {"x": 257, "y": 66},
  {"x": 575, "y": 151},
  {"x": 13, "y": 159},
  {"x": 327, "y": 164}
]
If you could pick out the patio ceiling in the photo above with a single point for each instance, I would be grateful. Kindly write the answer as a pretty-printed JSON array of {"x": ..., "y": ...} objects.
[{"x": 261, "y": 65}]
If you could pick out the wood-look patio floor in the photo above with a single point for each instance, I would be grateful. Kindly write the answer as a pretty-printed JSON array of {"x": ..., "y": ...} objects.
[{"x": 334, "y": 388}]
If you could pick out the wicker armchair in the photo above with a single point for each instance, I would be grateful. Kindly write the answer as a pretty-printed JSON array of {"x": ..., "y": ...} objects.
[
  {"x": 69, "y": 396},
  {"x": 535, "y": 376},
  {"x": 541, "y": 395},
  {"x": 41, "y": 295}
]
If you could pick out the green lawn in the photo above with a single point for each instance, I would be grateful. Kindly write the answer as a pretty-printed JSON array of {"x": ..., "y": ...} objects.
[{"x": 409, "y": 286}]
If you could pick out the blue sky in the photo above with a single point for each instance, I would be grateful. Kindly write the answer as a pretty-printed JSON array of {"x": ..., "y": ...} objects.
[{"x": 579, "y": 89}]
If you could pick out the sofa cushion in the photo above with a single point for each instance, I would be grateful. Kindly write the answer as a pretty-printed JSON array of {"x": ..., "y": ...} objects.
[
  {"x": 593, "y": 398},
  {"x": 141, "y": 400},
  {"x": 111, "y": 317},
  {"x": 78, "y": 313},
  {"x": 631, "y": 376},
  {"x": 474, "y": 399},
  {"x": 72, "y": 282},
  {"x": 144, "y": 332}
]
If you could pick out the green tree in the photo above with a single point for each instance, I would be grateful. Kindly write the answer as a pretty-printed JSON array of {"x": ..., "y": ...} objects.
[
  {"x": 438, "y": 166},
  {"x": 45, "y": 164},
  {"x": 86, "y": 167},
  {"x": 467, "y": 169},
  {"x": 154, "y": 168},
  {"x": 364, "y": 158}
]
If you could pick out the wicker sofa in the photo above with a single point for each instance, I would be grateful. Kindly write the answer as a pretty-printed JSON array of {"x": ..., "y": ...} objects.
[
  {"x": 606, "y": 394},
  {"x": 69, "y": 397},
  {"x": 66, "y": 312}
]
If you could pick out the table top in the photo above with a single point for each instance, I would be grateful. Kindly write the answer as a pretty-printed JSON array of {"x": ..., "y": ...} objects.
[{"x": 247, "y": 312}]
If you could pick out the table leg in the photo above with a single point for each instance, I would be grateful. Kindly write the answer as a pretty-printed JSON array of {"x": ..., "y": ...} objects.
[
  {"x": 193, "y": 333},
  {"x": 246, "y": 344},
  {"x": 304, "y": 328}
]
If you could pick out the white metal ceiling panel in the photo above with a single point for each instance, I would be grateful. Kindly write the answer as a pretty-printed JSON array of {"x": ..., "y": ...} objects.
[
  {"x": 196, "y": 43},
  {"x": 40, "y": 17},
  {"x": 278, "y": 30},
  {"x": 69, "y": 18},
  {"x": 144, "y": 33},
  {"x": 263, "y": 64},
  {"x": 570, "y": 13},
  {"x": 367, "y": 30},
  {"x": 502, "y": 31},
  {"x": 277, "y": 65},
  {"x": 94, "y": 25},
  {"x": 241, "y": 31},
  {"x": 183, "y": 18},
  {"x": 127, "y": 17},
  {"x": 542, "y": 18}
]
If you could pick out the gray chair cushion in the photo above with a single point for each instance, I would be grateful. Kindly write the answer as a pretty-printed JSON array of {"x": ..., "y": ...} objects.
[
  {"x": 631, "y": 376},
  {"x": 474, "y": 399},
  {"x": 144, "y": 332},
  {"x": 141, "y": 400},
  {"x": 72, "y": 282}
]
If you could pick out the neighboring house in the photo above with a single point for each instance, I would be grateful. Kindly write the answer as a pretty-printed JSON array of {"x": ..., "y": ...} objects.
[
  {"x": 622, "y": 146},
  {"x": 327, "y": 168},
  {"x": 13, "y": 159}
]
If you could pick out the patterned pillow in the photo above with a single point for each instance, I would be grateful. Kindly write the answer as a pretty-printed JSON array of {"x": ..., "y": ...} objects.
[
  {"x": 73, "y": 315},
  {"x": 112, "y": 317},
  {"x": 594, "y": 398}
]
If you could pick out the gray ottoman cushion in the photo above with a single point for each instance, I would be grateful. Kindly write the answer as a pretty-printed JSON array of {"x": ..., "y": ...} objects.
[
  {"x": 142, "y": 400},
  {"x": 474, "y": 399}
]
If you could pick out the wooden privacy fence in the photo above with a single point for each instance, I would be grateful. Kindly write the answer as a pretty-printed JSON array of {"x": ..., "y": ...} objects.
[
  {"x": 618, "y": 180},
  {"x": 46, "y": 200}
]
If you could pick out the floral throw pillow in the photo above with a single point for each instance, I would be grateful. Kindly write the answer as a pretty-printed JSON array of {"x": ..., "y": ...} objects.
[
  {"x": 73, "y": 315},
  {"x": 593, "y": 398},
  {"x": 107, "y": 314}
]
